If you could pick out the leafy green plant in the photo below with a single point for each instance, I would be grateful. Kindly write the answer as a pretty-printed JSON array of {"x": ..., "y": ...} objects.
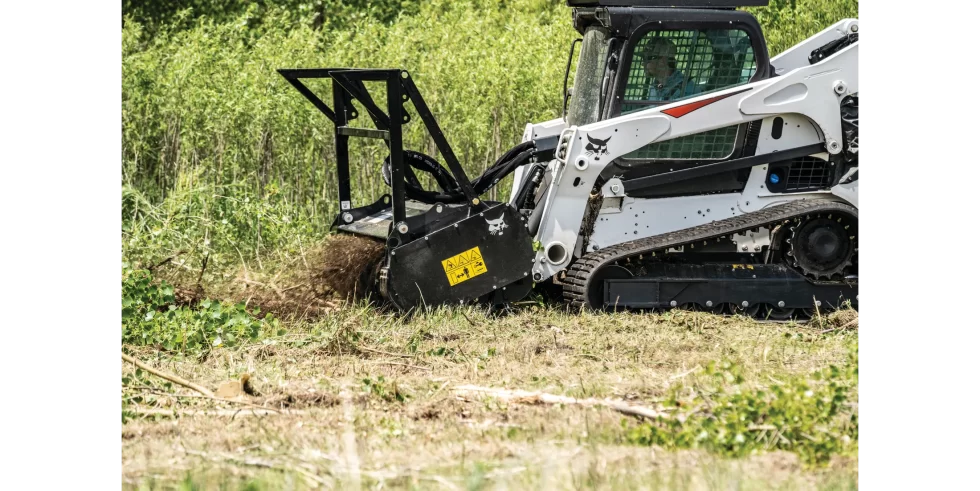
[
  {"x": 150, "y": 316},
  {"x": 815, "y": 417},
  {"x": 387, "y": 391}
]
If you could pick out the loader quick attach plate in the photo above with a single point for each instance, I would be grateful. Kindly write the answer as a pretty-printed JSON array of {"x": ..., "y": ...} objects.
[{"x": 479, "y": 255}]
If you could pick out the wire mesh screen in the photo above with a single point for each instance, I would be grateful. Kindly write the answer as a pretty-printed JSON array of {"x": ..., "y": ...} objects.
[
  {"x": 668, "y": 66},
  {"x": 808, "y": 173}
]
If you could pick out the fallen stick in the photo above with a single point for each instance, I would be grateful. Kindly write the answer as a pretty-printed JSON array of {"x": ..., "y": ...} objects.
[
  {"x": 194, "y": 396},
  {"x": 401, "y": 365},
  {"x": 524, "y": 397},
  {"x": 167, "y": 260},
  {"x": 214, "y": 412},
  {"x": 173, "y": 378},
  {"x": 400, "y": 355}
]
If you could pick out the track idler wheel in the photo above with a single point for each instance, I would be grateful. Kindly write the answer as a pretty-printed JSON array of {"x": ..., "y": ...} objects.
[
  {"x": 613, "y": 271},
  {"x": 752, "y": 311},
  {"x": 775, "y": 313},
  {"x": 823, "y": 246}
]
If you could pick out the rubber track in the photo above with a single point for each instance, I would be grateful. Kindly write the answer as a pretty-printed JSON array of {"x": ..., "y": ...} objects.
[{"x": 576, "y": 282}]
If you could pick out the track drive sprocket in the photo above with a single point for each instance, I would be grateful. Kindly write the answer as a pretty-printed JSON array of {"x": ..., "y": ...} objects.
[{"x": 823, "y": 246}]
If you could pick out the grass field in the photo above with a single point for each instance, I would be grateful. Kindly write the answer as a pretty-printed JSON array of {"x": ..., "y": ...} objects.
[{"x": 368, "y": 399}]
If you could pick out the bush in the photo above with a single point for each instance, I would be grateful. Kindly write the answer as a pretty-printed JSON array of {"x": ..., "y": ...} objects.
[
  {"x": 151, "y": 316},
  {"x": 815, "y": 417}
]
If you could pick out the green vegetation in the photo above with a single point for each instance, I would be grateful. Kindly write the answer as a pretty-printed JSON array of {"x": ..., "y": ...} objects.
[
  {"x": 222, "y": 156},
  {"x": 814, "y": 416},
  {"x": 151, "y": 316},
  {"x": 225, "y": 165}
]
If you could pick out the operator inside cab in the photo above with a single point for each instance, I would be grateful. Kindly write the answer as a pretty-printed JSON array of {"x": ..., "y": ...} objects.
[{"x": 667, "y": 83}]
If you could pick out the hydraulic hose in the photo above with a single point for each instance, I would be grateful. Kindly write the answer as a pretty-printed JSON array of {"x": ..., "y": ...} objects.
[{"x": 451, "y": 192}]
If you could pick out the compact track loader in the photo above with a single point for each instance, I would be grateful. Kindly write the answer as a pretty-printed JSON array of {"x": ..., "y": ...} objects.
[{"x": 688, "y": 170}]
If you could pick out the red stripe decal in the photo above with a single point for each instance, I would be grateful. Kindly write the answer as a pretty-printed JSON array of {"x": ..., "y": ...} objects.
[{"x": 686, "y": 108}]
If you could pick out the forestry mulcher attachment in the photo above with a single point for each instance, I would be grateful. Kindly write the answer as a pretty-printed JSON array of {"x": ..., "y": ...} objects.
[{"x": 688, "y": 170}]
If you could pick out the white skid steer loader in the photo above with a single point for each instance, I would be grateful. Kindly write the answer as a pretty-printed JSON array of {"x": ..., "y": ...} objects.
[{"x": 688, "y": 170}]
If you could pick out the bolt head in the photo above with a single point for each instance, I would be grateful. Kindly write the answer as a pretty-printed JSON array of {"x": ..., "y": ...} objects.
[
  {"x": 818, "y": 303},
  {"x": 781, "y": 304},
  {"x": 673, "y": 303},
  {"x": 745, "y": 304},
  {"x": 745, "y": 248},
  {"x": 348, "y": 218},
  {"x": 476, "y": 201},
  {"x": 854, "y": 28},
  {"x": 709, "y": 303}
]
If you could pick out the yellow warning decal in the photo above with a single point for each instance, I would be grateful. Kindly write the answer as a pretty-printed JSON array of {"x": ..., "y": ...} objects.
[
  {"x": 464, "y": 266},
  {"x": 742, "y": 266}
]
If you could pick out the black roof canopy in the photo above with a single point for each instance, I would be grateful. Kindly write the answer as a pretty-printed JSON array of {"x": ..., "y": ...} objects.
[{"x": 698, "y": 4}]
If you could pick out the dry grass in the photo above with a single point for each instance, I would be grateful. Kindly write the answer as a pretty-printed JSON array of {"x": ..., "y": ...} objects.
[{"x": 409, "y": 430}]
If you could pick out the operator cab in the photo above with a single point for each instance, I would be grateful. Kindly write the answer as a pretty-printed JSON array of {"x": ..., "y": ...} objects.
[{"x": 637, "y": 54}]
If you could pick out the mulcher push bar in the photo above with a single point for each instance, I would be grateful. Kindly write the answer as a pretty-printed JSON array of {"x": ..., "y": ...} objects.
[{"x": 348, "y": 85}]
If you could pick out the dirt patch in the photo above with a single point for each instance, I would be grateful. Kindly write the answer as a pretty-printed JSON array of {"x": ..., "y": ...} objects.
[
  {"x": 302, "y": 400},
  {"x": 338, "y": 270}
]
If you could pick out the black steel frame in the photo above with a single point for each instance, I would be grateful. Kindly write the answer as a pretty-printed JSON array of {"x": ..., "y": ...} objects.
[{"x": 348, "y": 85}]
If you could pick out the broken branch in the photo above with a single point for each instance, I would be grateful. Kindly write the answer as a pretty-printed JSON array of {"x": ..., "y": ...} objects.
[
  {"x": 167, "y": 376},
  {"x": 524, "y": 397},
  {"x": 401, "y": 355},
  {"x": 213, "y": 412},
  {"x": 194, "y": 396}
]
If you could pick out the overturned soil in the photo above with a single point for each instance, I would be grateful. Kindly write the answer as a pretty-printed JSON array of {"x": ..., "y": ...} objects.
[{"x": 340, "y": 269}]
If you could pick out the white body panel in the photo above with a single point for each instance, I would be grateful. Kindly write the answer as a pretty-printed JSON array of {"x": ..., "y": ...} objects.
[
  {"x": 531, "y": 131},
  {"x": 804, "y": 96},
  {"x": 798, "y": 55}
]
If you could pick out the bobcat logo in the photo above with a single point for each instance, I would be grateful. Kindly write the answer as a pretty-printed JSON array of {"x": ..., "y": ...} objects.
[
  {"x": 597, "y": 147},
  {"x": 497, "y": 226}
]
